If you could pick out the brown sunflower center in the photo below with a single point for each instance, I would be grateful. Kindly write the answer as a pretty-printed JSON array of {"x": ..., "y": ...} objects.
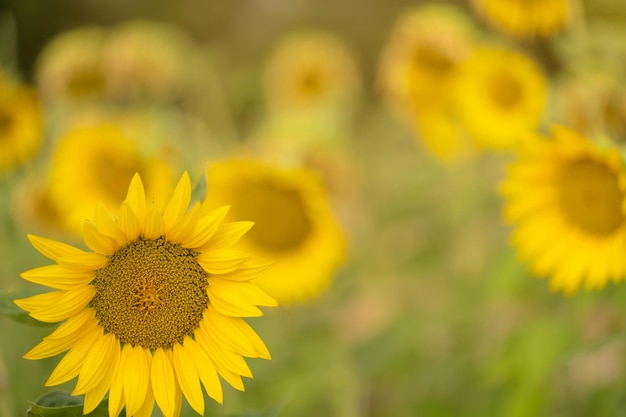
[
  {"x": 151, "y": 294},
  {"x": 590, "y": 196},
  {"x": 505, "y": 90},
  {"x": 281, "y": 219}
]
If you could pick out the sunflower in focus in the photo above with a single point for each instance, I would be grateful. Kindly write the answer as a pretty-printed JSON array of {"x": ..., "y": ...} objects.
[
  {"x": 500, "y": 97},
  {"x": 311, "y": 71},
  {"x": 525, "y": 18},
  {"x": 566, "y": 200},
  {"x": 294, "y": 226},
  {"x": 417, "y": 72},
  {"x": 155, "y": 311},
  {"x": 89, "y": 165},
  {"x": 21, "y": 124}
]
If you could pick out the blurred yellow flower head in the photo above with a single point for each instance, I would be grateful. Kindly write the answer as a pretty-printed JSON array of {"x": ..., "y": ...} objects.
[
  {"x": 419, "y": 65},
  {"x": 92, "y": 164},
  {"x": 21, "y": 125},
  {"x": 566, "y": 200},
  {"x": 525, "y": 18},
  {"x": 311, "y": 71},
  {"x": 294, "y": 226},
  {"x": 501, "y": 96}
]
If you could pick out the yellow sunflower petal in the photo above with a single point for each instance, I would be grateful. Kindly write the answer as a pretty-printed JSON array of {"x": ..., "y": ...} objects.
[
  {"x": 107, "y": 226},
  {"x": 136, "y": 198},
  {"x": 187, "y": 376},
  {"x": 148, "y": 404},
  {"x": 228, "y": 234},
  {"x": 135, "y": 374},
  {"x": 94, "y": 397},
  {"x": 222, "y": 261},
  {"x": 92, "y": 372},
  {"x": 242, "y": 292},
  {"x": 84, "y": 261},
  {"x": 116, "y": 390},
  {"x": 97, "y": 241},
  {"x": 206, "y": 227},
  {"x": 206, "y": 370},
  {"x": 180, "y": 201},
  {"x": 56, "y": 306},
  {"x": 182, "y": 230},
  {"x": 128, "y": 223},
  {"x": 59, "y": 342},
  {"x": 248, "y": 272},
  {"x": 51, "y": 248},
  {"x": 154, "y": 226},
  {"x": 234, "y": 334},
  {"x": 229, "y": 360},
  {"x": 70, "y": 365},
  {"x": 163, "y": 383},
  {"x": 56, "y": 276}
]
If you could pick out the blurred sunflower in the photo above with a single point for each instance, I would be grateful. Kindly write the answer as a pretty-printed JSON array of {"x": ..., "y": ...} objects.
[
  {"x": 294, "y": 226},
  {"x": 20, "y": 124},
  {"x": 566, "y": 199},
  {"x": 145, "y": 60},
  {"x": 69, "y": 68},
  {"x": 418, "y": 68},
  {"x": 311, "y": 71},
  {"x": 524, "y": 18},
  {"x": 500, "y": 97},
  {"x": 155, "y": 309},
  {"x": 92, "y": 163}
]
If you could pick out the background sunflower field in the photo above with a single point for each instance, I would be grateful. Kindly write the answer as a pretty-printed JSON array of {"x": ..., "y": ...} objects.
[{"x": 370, "y": 142}]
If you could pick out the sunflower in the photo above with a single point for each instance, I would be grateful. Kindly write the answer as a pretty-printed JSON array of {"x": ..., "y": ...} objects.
[
  {"x": 20, "y": 124},
  {"x": 417, "y": 72},
  {"x": 294, "y": 226},
  {"x": 89, "y": 165},
  {"x": 146, "y": 60},
  {"x": 525, "y": 18},
  {"x": 500, "y": 97},
  {"x": 311, "y": 71},
  {"x": 566, "y": 199},
  {"x": 69, "y": 68},
  {"x": 154, "y": 310}
]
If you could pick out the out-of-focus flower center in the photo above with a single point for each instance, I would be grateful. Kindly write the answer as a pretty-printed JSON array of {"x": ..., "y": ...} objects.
[
  {"x": 427, "y": 58},
  {"x": 505, "y": 90},
  {"x": 152, "y": 293},
  {"x": 590, "y": 197},
  {"x": 85, "y": 83},
  {"x": 280, "y": 216},
  {"x": 7, "y": 121}
]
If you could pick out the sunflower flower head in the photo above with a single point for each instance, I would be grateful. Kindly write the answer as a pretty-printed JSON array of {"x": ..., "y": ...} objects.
[
  {"x": 21, "y": 124},
  {"x": 525, "y": 18},
  {"x": 500, "y": 97},
  {"x": 417, "y": 72},
  {"x": 294, "y": 225},
  {"x": 566, "y": 200},
  {"x": 311, "y": 71},
  {"x": 95, "y": 159},
  {"x": 154, "y": 311}
]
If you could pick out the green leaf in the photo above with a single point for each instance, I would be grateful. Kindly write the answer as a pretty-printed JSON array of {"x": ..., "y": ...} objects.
[
  {"x": 62, "y": 404},
  {"x": 199, "y": 190},
  {"x": 9, "y": 309}
]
